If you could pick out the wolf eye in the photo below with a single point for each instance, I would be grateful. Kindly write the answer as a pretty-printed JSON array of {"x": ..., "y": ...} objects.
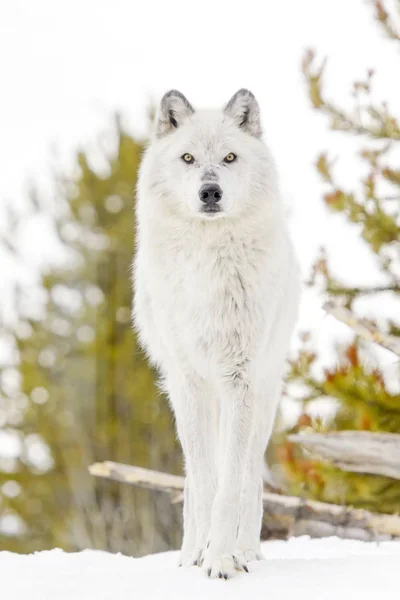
[
  {"x": 230, "y": 157},
  {"x": 187, "y": 158}
]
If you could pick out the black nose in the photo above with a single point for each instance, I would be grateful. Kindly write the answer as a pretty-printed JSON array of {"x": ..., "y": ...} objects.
[{"x": 210, "y": 192}]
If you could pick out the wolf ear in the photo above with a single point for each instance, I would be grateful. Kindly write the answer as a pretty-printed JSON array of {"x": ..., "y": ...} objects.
[
  {"x": 244, "y": 110},
  {"x": 174, "y": 110}
]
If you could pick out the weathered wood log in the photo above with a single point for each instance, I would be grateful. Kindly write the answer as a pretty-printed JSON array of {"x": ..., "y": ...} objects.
[
  {"x": 358, "y": 451},
  {"x": 363, "y": 328},
  {"x": 146, "y": 478},
  {"x": 284, "y": 516}
]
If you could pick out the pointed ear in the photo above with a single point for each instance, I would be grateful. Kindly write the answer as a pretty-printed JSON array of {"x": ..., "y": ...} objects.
[
  {"x": 174, "y": 110},
  {"x": 244, "y": 110}
]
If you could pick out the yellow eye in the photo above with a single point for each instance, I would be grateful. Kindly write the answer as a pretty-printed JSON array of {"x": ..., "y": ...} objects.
[
  {"x": 187, "y": 158},
  {"x": 230, "y": 157}
]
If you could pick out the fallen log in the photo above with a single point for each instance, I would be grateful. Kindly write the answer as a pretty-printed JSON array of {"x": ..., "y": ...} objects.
[
  {"x": 357, "y": 451},
  {"x": 284, "y": 516},
  {"x": 146, "y": 478}
]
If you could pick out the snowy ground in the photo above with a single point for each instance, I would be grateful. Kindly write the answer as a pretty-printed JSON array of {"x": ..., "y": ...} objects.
[{"x": 301, "y": 569}]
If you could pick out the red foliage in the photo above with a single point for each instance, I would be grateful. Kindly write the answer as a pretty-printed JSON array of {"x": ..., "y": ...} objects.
[
  {"x": 304, "y": 421},
  {"x": 332, "y": 198},
  {"x": 352, "y": 355},
  {"x": 366, "y": 422}
]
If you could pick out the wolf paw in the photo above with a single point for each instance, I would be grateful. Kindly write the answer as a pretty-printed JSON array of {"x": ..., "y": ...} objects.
[
  {"x": 250, "y": 554},
  {"x": 192, "y": 559},
  {"x": 222, "y": 567},
  {"x": 226, "y": 566}
]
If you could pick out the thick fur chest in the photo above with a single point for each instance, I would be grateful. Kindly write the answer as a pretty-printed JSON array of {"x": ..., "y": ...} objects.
[{"x": 210, "y": 295}]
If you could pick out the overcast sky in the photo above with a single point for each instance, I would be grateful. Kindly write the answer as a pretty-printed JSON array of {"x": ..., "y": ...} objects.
[{"x": 66, "y": 66}]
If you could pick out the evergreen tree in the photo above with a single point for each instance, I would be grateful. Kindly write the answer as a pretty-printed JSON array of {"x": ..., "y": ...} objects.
[
  {"x": 365, "y": 399},
  {"x": 86, "y": 393}
]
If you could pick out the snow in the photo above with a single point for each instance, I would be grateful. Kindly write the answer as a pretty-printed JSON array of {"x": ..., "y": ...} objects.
[{"x": 301, "y": 568}]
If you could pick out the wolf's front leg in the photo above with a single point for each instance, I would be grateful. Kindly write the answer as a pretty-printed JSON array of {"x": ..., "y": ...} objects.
[
  {"x": 189, "y": 525},
  {"x": 251, "y": 502},
  {"x": 248, "y": 546},
  {"x": 237, "y": 407},
  {"x": 195, "y": 430}
]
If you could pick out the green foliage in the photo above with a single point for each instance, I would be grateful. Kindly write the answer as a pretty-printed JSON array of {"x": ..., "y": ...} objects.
[
  {"x": 87, "y": 392},
  {"x": 362, "y": 396}
]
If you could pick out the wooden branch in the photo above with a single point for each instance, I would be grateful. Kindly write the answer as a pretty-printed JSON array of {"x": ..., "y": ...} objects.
[
  {"x": 364, "y": 329},
  {"x": 146, "y": 478},
  {"x": 358, "y": 451},
  {"x": 284, "y": 516}
]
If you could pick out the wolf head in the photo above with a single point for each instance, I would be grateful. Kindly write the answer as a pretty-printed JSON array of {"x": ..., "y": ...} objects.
[{"x": 209, "y": 164}]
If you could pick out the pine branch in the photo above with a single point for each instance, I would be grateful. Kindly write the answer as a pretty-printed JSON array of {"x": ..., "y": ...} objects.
[
  {"x": 359, "y": 291},
  {"x": 362, "y": 328},
  {"x": 374, "y": 122},
  {"x": 386, "y": 21},
  {"x": 284, "y": 516}
]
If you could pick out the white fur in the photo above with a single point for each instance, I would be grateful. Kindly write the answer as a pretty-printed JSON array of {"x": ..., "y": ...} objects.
[{"x": 215, "y": 305}]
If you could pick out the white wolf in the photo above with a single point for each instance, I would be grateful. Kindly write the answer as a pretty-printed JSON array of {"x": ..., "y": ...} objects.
[{"x": 216, "y": 297}]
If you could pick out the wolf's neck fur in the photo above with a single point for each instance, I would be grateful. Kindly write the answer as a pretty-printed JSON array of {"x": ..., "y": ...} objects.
[{"x": 262, "y": 229}]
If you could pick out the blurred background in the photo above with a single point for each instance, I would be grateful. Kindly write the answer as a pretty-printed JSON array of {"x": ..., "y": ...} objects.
[{"x": 80, "y": 81}]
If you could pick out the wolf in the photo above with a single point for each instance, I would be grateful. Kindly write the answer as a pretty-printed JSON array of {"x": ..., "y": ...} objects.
[{"x": 216, "y": 294}]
